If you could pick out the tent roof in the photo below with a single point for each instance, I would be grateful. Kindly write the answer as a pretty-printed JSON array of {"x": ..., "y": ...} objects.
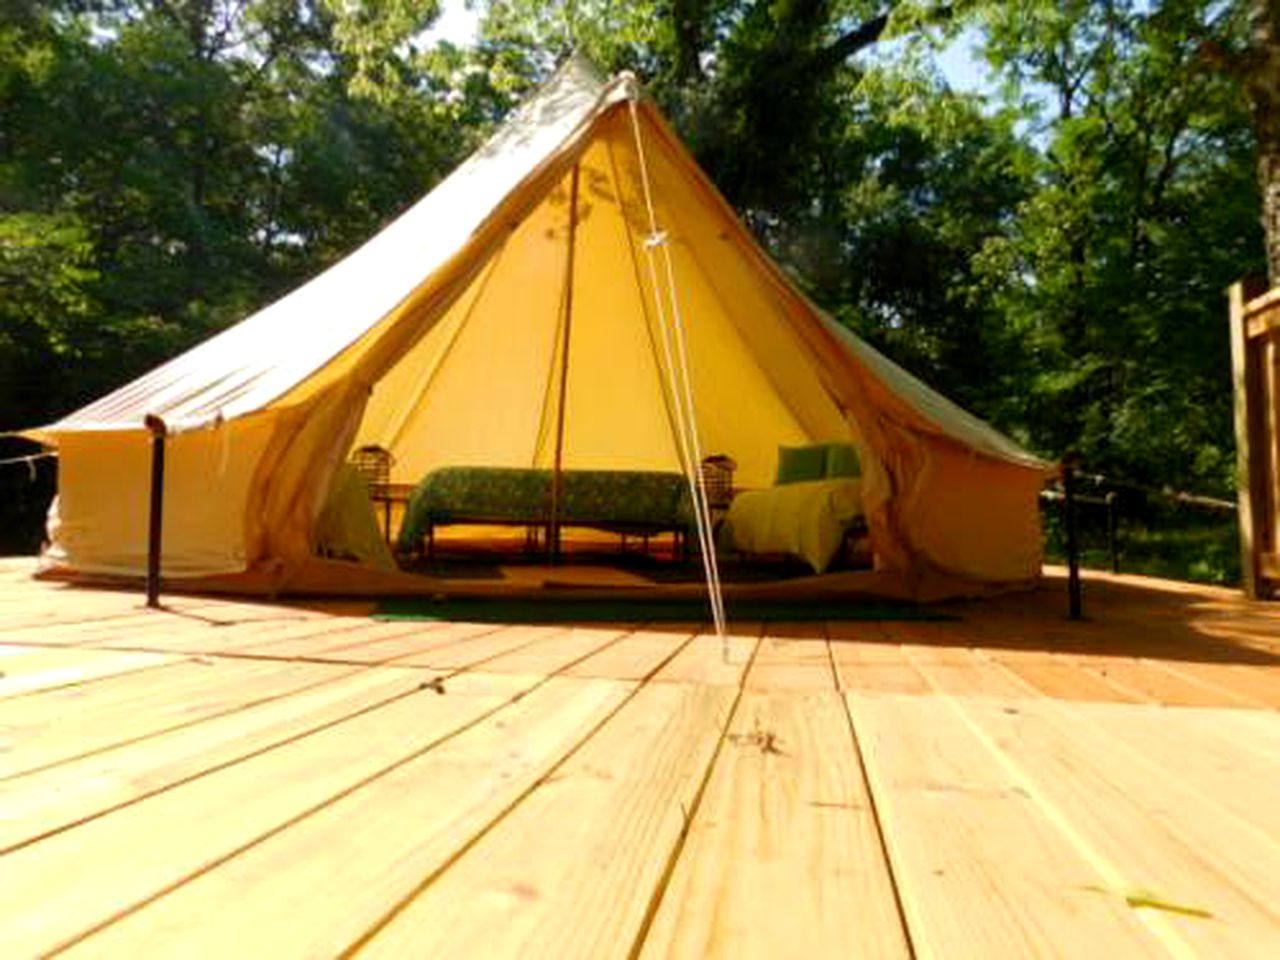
[
  {"x": 247, "y": 367},
  {"x": 256, "y": 363}
]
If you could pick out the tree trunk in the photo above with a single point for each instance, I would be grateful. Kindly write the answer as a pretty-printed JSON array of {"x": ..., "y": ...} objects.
[
  {"x": 1261, "y": 63},
  {"x": 1256, "y": 68},
  {"x": 1269, "y": 188}
]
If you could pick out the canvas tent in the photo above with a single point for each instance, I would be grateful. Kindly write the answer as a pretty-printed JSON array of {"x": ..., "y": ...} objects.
[{"x": 440, "y": 340}]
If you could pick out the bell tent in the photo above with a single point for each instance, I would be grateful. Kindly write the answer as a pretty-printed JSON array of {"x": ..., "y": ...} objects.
[{"x": 576, "y": 295}]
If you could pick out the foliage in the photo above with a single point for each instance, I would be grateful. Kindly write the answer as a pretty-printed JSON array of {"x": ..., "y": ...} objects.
[
  {"x": 1144, "y": 211},
  {"x": 1153, "y": 538}
]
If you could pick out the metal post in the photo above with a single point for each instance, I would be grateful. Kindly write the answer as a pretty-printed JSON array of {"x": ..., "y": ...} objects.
[
  {"x": 1073, "y": 552},
  {"x": 157, "y": 428},
  {"x": 1113, "y": 531}
]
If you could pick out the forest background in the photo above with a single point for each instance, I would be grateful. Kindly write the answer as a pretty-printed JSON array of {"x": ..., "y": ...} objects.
[{"x": 1050, "y": 247}]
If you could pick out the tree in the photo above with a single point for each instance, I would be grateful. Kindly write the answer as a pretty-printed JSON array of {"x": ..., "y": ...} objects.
[
  {"x": 1112, "y": 271},
  {"x": 167, "y": 166},
  {"x": 1244, "y": 42}
]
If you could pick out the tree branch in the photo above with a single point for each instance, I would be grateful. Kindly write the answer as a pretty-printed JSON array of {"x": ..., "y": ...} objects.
[{"x": 841, "y": 49}]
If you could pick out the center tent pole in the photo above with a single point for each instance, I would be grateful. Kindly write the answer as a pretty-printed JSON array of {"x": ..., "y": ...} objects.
[{"x": 553, "y": 531}]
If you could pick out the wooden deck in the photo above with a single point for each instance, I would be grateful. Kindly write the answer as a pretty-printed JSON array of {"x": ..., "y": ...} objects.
[{"x": 237, "y": 779}]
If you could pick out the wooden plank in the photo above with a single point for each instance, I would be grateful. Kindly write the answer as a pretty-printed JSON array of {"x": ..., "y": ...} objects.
[
  {"x": 1253, "y": 683},
  {"x": 553, "y": 652},
  {"x": 66, "y": 608},
  {"x": 1270, "y": 401},
  {"x": 1059, "y": 677},
  {"x": 867, "y": 660},
  {"x": 165, "y": 631},
  {"x": 708, "y": 660},
  {"x": 331, "y": 644},
  {"x": 959, "y": 671},
  {"x": 980, "y": 870},
  {"x": 790, "y": 657},
  {"x": 480, "y": 649},
  {"x": 68, "y": 884},
  {"x": 1224, "y": 695},
  {"x": 59, "y": 668},
  {"x": 783, "y": 857},
  {"x": 1159, "y": 832},
  {"x": 1243, "y": 393},
  {"x": 63, "y": 612},
  {"x": 79, "y": 632},
  {"x": 1260, "y": 325},
  {"x": 571, "y": 871},
  {"x": 417, "y": 639},
  {"x": 1262, "y": 303},
  {"x": 1223, "y": 760},
  {"x": 195, "y": 636},
  {"x": 39, "y": 731},
  {"x": 1254, "y": 730},
  {"x": 52, "y": 798},
  {"x": 880, "y": 678},
  {"x": 636, "y": 655},
  {"x": 1151, "y": 684},
  {"x": 389, "y": 836}
]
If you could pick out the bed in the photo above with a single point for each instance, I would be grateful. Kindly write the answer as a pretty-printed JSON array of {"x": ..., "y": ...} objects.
[
  {"x": 809, "y": 520},
  {"x": 620, "y": 501}
]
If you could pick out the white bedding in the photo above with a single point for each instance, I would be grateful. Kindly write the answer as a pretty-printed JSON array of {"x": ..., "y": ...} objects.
[{"x": 806, "y": 520}]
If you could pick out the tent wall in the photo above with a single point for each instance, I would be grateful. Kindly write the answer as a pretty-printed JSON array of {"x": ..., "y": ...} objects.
[
  {"x": 295, "y": 477},
  {"x": 104, "y": 499}
]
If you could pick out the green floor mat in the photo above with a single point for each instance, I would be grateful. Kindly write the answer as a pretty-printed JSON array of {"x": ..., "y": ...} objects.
[{"x": 657, "y": 610}]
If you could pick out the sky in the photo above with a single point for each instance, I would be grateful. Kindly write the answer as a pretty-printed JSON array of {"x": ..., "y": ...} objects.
[
  {"x": 963, "y": 70},
  {"x": 457, "y": 24}
]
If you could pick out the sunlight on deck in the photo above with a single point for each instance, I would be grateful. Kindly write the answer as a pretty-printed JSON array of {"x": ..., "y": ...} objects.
[{"x": 228, "y": 778}]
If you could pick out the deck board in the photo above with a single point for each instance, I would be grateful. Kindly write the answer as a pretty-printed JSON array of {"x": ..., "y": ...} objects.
[
  {"x": 870, "y": 663},
  {"x": 791, "y": 657},
  {"x": 557, "y": 650},
  {"x": 339, "y": 872},
  {"x": 224, "y": 777},
  {"x": 30, "y": 673},
  {"x": 71, "y": 882},
  {"x": 709, "y": 660},
  {"x": 570, "y": 872},
  {"x": 768, "y": 869},
  {"x": 56, "y": 796},
  {"x": 62, "y": 724},
  {"x": 980, "y": 870},
  {"x": 636, "y": 655},
  {"x": 1147, "y": 823}
]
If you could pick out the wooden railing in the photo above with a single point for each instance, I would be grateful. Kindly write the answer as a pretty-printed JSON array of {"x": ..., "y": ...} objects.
[{"x": 1255, "y": 367}]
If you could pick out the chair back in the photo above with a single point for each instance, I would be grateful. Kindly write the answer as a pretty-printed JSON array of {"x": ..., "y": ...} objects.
[
  {"x": 373, "y": 463},
  {"x": 717, "y": 480}
]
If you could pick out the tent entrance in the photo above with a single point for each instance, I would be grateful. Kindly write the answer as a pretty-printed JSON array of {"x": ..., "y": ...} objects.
[{"x": 559, "y": 356}]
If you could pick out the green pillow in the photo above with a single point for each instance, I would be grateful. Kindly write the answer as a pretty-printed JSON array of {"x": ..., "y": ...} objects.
[
  {"x": 842, "y": 461},
  {"x": 798, "y": 464}
]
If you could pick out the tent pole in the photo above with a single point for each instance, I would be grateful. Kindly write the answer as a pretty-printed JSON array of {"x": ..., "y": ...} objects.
[
  {"x": 157, "y": 429},
  {"x": 553, "y": 533}
]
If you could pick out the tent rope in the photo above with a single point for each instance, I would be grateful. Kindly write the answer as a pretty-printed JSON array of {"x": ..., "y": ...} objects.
[
  {"x": 680, "y": 384},
  {"x": 29, "y": 461}
]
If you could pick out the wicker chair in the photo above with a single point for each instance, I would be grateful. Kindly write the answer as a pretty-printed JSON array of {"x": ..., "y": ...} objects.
[{"x": 374, "y": 463}]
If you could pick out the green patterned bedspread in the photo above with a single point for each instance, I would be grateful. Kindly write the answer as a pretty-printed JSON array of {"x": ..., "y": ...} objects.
[{"x": 608, "y": 499}]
